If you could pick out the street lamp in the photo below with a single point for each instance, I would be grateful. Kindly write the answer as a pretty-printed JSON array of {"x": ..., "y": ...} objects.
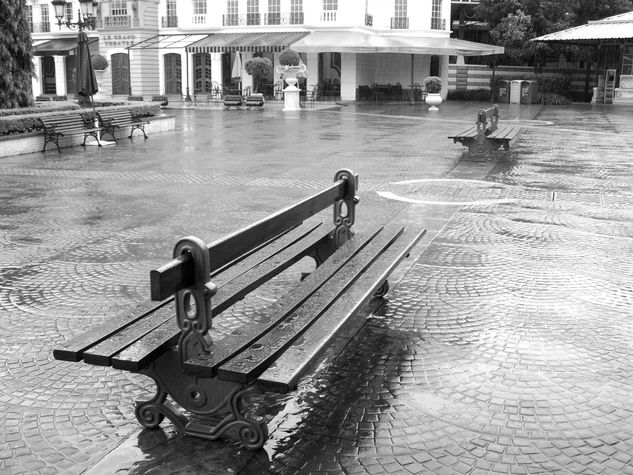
[{"x": 87, "y": 15}]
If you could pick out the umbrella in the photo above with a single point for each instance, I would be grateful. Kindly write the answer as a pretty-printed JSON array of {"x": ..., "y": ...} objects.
[
  {"x": 236, "y": 71},
  {"x": 86, "y": 80}
]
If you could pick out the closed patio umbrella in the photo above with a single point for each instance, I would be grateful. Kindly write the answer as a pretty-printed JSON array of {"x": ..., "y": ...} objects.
[
  {"x": 236, "y": 71},
  {"x": 86, "y": 80}
]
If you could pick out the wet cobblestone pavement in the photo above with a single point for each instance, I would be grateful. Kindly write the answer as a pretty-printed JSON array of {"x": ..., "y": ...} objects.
[{"x": 505, "y": 347}]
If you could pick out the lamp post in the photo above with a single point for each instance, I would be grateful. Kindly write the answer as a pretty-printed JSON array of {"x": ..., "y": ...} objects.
[{"x": 86, "y": 19}]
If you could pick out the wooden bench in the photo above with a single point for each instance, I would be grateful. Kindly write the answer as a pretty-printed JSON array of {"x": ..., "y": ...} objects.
[
  {"x": 113, "y": 119},
  {"x": 64, "y": 125},
  {"x": 486, "y": 135},
  {"x": 268, "y": 352},
  {"x": 232, "y": 100}
]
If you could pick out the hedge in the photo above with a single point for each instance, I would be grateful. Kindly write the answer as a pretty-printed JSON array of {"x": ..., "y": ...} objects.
[{"x": 21, "y": 124}]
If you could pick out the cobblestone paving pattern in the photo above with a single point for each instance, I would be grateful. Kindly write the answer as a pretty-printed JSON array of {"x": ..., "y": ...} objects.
[{"x": 506, "y": 347}]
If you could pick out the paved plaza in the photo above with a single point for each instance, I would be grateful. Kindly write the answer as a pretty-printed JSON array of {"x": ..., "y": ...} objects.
[{"x": 505, "y": 344}]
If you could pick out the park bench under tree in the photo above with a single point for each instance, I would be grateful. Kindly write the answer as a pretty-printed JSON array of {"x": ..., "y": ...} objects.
[
  {"x": 67, "y": 125},
  {"x": 486, "y": 135},
  {"x": 208, "y": 379},
  {"x": 113, "y": 119}
]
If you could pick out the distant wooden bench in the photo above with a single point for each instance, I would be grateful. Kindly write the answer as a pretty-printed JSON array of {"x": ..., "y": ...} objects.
[
  {"x": 232, "y": 100},
  {"x": 486, "y": 135},
  {"x": 64, "y": 125},
  {"x": 273, "y": 348},
  {"x": 113, "y": 119}
]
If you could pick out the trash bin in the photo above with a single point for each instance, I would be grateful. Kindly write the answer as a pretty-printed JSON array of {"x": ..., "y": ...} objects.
[
  {"x": 515, "y": 92},
  {"x": 503, "y": 91},
  {"x": 529, "y": 92}
]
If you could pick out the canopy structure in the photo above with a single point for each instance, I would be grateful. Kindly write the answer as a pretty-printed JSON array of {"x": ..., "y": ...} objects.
[
  {"x": 368, "y": 42},
  {"x": 618, "y": 27},
  {"x": 168, "y": 41},
  {"x": 59, "y": 46},
  {"x": 260, "y": 42}
]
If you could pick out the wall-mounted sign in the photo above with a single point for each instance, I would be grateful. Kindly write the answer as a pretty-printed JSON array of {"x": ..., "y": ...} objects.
[{"x": 117, "y": 40}]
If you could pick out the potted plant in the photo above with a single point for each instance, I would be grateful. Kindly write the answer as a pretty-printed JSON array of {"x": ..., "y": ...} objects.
[
  {"x": 290, "y": 67},
  {"x": 261, "y": 69},
  {"x": 433, "y": 85}
]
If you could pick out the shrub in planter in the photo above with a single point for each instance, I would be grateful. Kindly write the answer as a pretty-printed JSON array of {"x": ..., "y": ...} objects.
[
  {"x": 433, "y": 84},
  {"x": 261, "y": 69},
  {"x": 99, "y": 63},
  {"x": 134, "y": 98},
  {"x": 289, "y": 57}
]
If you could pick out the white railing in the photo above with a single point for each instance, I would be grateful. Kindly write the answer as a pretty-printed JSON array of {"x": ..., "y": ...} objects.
[
  {"x": 328, "y": 16},
  {"x": 200, "y": 19}
]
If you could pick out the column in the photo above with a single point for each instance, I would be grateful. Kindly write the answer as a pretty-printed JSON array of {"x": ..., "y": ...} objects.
[
  {"x": 60, "y": 75},
  {"x": 444, "y": 75},
  {"x": 348, "y": 76},
  {"x": 313, "y": 69},
  {"x": 35, "y": 80}
]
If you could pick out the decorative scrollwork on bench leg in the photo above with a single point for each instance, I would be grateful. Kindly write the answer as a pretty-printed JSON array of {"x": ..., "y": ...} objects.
[
  {"x": 151, "y": 413},
  {"x": 251, "y": 433},
  {"x": 219, "y": 403}
]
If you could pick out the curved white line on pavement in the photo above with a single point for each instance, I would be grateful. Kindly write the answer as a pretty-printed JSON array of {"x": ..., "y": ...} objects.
[{"x": 392, "y": 196}]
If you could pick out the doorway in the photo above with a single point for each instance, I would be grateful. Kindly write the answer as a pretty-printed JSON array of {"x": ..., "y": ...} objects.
[
  {"x": 120, "y": 74},
  {"x": 48, "y": 75}
]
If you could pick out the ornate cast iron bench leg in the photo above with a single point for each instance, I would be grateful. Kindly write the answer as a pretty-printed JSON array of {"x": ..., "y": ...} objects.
[
  {"x": 220, "y": 403},
  {"x": 202, "y": 396}
]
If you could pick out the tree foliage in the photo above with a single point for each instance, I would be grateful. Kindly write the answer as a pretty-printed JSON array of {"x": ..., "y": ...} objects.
[
  {"x": 514, "y": 22},
  {"x": 261, "y": 69},
  {"x": 16, "y": 49}
]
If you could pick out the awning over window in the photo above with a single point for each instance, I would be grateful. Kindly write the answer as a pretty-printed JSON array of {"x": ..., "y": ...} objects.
[
  {"x": 168, "y": 41},
  {"x": 367, "y": 42},
  {"x": 612, "y": 28},
  {"x": 268, "y": 42},
  {"x": 59, "y": 47}
]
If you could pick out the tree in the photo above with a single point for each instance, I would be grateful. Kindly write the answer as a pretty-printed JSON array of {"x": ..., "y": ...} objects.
[
  {"x": 261, "y": 69},
  {"x": 16, "y": 49},
  {"x": 512, "y": 23}
]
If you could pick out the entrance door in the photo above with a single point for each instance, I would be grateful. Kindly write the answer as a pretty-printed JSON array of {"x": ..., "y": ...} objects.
[
  {"x": 173, "y": 74},
  {"x": 120, "y": 74},
  {"x": 71, "y": 74},
  {"x": 202, "y": 72},
  {"x": 48, "y": 74}
]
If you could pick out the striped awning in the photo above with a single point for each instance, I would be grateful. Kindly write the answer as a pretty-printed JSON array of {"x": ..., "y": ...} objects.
[{"x": 269, "y": 42}]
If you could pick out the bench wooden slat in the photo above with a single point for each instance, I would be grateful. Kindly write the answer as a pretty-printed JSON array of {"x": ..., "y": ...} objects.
[
  {"x": 282, "y": 376},
  {"x": 470, "y": 133},
  {"x": 178, "y": 273},
  {"x": 504, "y": 133},
  {"x": 138, "y": 354},
  {"x": 102, "y": 353},
  {"x": 75, "y": 348},
  {"x": 224, "y": 349},
  {"x": 250, "y": 363}
]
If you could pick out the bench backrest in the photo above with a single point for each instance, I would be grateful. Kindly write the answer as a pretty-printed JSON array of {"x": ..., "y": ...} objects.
[
  {"x": 179, "y": 273},
  {"x": 116, "y": 116},
  {"x": 64, "y": 122},
  {"x": 487, "y": 119}
]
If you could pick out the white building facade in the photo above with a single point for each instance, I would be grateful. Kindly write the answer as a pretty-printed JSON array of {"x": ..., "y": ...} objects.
[{"x": 191, "y": 46}]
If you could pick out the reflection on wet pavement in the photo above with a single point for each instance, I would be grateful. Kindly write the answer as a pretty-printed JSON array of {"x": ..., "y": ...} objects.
[{"x": 505, "y": 347}]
